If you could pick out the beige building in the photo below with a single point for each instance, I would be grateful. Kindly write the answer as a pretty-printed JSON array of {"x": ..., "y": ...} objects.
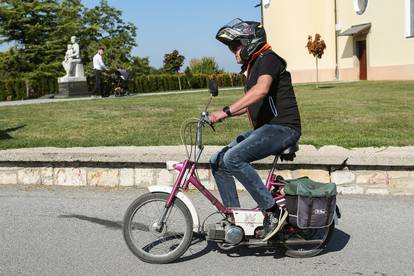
[{"x": 371, "y": 40}]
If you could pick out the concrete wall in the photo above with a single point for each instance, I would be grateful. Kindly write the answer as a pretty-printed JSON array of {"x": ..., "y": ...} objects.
[
  {"x": 389, "y": 51},
  {"x": 288, "y": 24}
]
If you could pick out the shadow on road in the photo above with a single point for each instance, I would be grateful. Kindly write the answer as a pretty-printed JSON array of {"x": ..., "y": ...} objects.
[
  {"x": 338, "y": 242},
  {"x": 4, "y": 133},
  {"x": 116, "y": 225},
  {"x": 199, "y": 246}
]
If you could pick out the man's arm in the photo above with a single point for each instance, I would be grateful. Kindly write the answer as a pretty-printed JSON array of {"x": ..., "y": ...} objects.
[
  {"x": 240, "y": 112},
  {"x": 255, "y": 94},
  {"x": 101, "y": 63}
]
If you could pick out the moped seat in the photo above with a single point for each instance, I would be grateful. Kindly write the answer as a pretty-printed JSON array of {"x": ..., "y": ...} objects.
[{"x": 288, "y": 154}]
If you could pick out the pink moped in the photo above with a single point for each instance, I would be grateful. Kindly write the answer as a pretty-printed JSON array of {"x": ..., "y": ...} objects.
[{"x": 158, "y": 227}]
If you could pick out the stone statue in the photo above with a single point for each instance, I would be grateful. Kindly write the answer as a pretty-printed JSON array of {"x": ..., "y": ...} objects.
[
  {"x": 72, "y": 59},
  {"x": 73, "y": 84}
]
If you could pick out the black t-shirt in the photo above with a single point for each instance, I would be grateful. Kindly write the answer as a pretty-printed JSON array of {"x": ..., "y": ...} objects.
[{"x": 279, "y": 105}]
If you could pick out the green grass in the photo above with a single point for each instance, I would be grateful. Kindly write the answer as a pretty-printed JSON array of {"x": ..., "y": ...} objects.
[{"x": 355, "y": 114}]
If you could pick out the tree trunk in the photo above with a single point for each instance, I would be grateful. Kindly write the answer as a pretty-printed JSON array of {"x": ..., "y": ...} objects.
[
  {"x": 179, "y": 82},
  {"x": 317, "y": 74}
]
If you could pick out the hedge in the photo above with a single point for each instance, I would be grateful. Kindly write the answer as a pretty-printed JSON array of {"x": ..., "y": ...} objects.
[
  {"x": 157, "y": 83},
  {"x": 21, "y": 89}
]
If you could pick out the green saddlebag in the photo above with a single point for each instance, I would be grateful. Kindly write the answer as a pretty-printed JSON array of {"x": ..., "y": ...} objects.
[{"x": 310, "y": 204}]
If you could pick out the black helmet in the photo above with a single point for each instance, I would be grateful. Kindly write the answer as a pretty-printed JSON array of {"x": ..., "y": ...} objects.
[{"x": 250, "y": 35}]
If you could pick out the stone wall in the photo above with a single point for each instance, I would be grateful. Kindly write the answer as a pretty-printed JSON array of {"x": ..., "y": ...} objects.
[
  {"x": 348, "y": 181},
  {"x": 381, "y": 171}
]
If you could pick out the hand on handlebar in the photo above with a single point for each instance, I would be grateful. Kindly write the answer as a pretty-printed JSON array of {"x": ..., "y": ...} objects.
[{"x": 217, "y": 116}]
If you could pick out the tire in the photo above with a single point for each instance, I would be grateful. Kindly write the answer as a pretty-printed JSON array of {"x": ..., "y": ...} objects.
[
  {"x": 142, "y": 238},
  {"x": 304, "y": 251}
]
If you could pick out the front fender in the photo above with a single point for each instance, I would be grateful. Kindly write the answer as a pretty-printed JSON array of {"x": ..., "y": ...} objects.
[{"x": 183, "y": 198}]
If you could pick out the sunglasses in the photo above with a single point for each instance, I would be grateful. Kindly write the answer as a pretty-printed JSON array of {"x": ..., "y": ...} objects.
[{"x": 234, "y": 47}]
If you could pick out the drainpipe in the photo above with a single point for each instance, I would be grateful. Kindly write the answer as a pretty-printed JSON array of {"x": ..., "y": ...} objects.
[
  {"x": 261, "y": 10},
  {"x": 336, "y": 43}
]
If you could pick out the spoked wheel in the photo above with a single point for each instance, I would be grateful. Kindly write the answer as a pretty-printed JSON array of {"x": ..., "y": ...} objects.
[
  {"x": 308, "y": 242},
  {"x": 151, "y": 241}
]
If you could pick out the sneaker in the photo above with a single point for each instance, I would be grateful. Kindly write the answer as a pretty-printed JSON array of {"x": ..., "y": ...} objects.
[{"x": 271, "y": 223}]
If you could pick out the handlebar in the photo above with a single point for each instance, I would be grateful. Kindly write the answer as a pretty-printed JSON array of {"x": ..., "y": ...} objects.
[
  {"x": 197, "y": 144},
  {"x": 200, "y": 124}
]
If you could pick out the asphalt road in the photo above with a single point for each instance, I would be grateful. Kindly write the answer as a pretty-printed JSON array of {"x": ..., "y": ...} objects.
[{"x": 77, "y": 231}]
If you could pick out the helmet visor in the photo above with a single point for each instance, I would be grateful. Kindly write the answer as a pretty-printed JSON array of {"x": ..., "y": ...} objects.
[
  {"x": 240, "y": 27},
  {"x": 234, "y": 46}
]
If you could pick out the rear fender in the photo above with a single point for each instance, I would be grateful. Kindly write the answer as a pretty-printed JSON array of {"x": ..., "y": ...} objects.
[{"x": 184, "y": 199}]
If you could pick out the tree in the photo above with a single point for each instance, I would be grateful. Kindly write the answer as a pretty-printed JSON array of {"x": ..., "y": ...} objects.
[
  {"x": 29, "y": 25},
  {"x": 173, "y": 62},
  {"x": 104, "y": 27},
  {"x": 205, "y": 65},
  {"x": 316, "y": 48},
  {"x": 140, "y": 66},
  {"x": 40, "y": 30}
]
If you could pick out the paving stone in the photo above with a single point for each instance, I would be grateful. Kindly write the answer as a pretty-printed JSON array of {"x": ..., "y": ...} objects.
[
  {"x": 316, "y": 175},
  {"x": 103, "y": 177},
  {"x": 286, "y": 174},
  {"x": 47, "y": 175},
  {"x": 350, "y": 190},
  {"x": 165, "y": 177},
  {"x": 370, "y": 191},
  {"x": 29, "y": 176},
  {"x": 126, "y": 177},
  {"x": 342, "y": 177},
  {"x": 70, "y": 176},
  {"x": 402, "y": 184},
  {"x": 8, "y": 176},
  {"x": 371, "y": 177},
  {"x": 145, "y": 177},
  {"x": 400, "y": 174}
]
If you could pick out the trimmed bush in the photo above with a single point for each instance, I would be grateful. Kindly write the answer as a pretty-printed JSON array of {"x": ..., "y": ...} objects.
[
  {"x": 21, "y": 89},
  {"x": 170, "y": 82},
  {"x": 36, "y": 87}
]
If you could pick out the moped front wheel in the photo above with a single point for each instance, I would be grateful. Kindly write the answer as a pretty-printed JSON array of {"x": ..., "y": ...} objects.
[{"x": 151, "y": 241}]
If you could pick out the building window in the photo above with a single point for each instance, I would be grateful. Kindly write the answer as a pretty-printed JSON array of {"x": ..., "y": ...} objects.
[
  {"x": 409, "y": 18},
  {"x": 360, "y": 6}
]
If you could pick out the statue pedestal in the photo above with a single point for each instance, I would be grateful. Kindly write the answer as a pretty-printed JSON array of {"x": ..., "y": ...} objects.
[{"x": 72, "y": 87}]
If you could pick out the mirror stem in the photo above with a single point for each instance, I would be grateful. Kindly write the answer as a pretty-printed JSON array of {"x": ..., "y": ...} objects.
[{"x": 209, "y": 101}]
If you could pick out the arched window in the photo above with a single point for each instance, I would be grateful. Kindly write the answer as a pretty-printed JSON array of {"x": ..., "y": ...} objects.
[{"x": 360, "y": 6}]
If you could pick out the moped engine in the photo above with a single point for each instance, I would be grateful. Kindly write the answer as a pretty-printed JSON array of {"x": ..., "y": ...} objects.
[
  {"x": 225, "y": 232},
  {"x": 234, "y": 234}
]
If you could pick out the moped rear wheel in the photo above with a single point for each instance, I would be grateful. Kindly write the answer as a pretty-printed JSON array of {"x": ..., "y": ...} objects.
[
  {"x": 308, "y": 242},
  {"x": 144, "y": 236}
]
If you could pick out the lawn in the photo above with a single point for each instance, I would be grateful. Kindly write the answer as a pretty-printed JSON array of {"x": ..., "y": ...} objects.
[{"x": 357, "y": 114}]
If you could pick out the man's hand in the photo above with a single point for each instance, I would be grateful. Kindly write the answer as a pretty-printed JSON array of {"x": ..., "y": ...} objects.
[{"x": 217, "y": 116}]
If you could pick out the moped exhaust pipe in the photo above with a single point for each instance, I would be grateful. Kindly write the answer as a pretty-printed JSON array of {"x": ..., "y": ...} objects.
[{"x": 303, "y": 242}]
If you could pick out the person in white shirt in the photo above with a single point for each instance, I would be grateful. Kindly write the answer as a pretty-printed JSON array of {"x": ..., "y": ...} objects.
[{"x": 99, "y": 66}]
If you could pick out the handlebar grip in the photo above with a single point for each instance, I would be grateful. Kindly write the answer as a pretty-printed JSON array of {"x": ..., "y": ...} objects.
[{"x": 199, "y": 136}]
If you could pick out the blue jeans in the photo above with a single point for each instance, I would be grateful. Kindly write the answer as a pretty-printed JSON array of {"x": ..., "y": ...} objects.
[{"x": 234, "y": 161}]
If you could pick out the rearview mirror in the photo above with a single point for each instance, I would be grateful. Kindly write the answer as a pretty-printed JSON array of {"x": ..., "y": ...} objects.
[{"x": 213, "y": 88}]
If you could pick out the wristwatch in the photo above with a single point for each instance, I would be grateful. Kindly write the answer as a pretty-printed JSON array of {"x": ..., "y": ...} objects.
[{"x": 226, "y": 110}]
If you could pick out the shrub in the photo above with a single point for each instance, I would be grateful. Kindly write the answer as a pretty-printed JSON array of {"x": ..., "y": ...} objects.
[{"x": 21, "y": 89}]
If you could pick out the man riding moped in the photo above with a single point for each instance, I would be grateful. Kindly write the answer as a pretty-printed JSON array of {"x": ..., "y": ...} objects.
[{"x": 270, "y": 103}]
